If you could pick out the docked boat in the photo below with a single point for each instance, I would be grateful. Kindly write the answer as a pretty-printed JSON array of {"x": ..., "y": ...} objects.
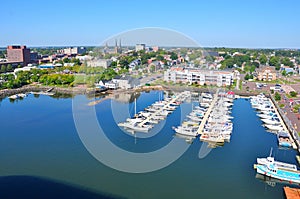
[
  {"x": 271, "y": 121},
  {"x": 274, "y": 127},
  {"x": 284, "y": 139},
  {"x": 279, "y": 170},
  {"x": 209, "y": 137}
]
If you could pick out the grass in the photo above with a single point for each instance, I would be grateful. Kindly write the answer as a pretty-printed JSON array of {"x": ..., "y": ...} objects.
[{"x": 281, "y": 105}]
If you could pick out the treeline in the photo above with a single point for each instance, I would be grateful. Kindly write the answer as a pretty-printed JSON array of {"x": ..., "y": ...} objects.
[{"x": 41, "y": 76}]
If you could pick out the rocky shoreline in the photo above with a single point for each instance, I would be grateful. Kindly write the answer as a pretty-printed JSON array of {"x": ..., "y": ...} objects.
[{"x": 26, "y": 89}]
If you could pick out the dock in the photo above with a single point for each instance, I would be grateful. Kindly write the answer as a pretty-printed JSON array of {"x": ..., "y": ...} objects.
[
  {"x": 283, "y": 124},
  {"x": 291, "y": 193},
  {"x": 205, "y": 118},
  {"x": 165, "y": 106}
]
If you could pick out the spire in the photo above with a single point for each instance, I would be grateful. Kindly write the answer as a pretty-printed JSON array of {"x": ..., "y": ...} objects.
[{"x": 120, "y": 44}]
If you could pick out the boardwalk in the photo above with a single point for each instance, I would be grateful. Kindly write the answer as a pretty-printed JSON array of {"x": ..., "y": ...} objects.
[
  {"x": 291, "y": 193},
  {"x": 283, "y": 124},
  {"x": 200, "y": 129}
]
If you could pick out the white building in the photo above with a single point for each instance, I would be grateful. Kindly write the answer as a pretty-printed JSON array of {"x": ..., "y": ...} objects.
[
  {"x": 105, "y": 63},
  {"x": 139, "y": 47},
  {"x": 201, "y": 77},
  {"x": 74, "y": 50},
  {"x": 126, "y": 82}
]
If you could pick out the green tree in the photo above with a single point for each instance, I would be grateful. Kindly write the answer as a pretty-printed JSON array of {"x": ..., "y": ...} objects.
[
  {"x": 274, "y": 61},
  {"x": 277, "y": 96},
  {"x": 3, "y": 69},
  {"x": 284, "y": 73},
  {"x": 287, "y": 62},
  {"x": 293, "y": 94},
  {"x": 174, "y": 56},
  {"x": 263, "y": 59},
  {"x": 9, "y": 68}
]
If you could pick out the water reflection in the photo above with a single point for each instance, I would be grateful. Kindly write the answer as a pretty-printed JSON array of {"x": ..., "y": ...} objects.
[{"x": 272, "y": 181}]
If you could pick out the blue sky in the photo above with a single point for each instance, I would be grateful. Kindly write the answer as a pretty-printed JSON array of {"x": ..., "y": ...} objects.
[{"x": 229, "y": 23}]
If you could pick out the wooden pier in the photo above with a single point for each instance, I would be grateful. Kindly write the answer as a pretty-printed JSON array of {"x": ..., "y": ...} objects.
[
  {"x": 283, "y": 124},
  {"x": 291, "y": 193},
  {"x": 205, "y": 118}
]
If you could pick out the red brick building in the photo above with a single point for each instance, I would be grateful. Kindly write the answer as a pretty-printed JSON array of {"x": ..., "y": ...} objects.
[{"x": 18, "y": 54}]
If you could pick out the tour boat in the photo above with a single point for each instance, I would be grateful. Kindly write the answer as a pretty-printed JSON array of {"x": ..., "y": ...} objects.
[{"x": 279, "y": 170}]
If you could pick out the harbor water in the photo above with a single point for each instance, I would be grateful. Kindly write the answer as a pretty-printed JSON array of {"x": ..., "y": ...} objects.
[{"x": 42, "y": 155}]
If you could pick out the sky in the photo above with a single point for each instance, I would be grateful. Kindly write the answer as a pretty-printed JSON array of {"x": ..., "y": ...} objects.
[{"x": 209, "y": 23}]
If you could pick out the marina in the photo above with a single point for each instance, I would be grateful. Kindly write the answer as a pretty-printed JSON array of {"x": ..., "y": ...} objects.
[
  {"x": 145, "y": 120},
  {"x": 272, "y": 120},
  {"x": 233, "y": 162}
]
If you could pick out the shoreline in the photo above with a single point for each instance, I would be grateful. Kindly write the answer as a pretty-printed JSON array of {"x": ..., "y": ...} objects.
[{"x": 91, "y": 91}]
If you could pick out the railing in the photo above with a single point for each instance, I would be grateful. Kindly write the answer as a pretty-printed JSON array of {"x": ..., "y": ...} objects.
[{"x": 288, "y": 124}]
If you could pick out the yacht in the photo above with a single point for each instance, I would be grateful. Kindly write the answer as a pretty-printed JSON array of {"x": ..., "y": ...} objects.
[{"x": 279, "y": 170}]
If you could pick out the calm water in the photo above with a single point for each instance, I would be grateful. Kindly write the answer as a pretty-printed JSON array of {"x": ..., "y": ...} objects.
[{"x": 42, "y": 156}]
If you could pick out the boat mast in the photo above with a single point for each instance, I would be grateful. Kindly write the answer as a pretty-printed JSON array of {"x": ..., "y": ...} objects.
[{"x": 134, "y": 106}]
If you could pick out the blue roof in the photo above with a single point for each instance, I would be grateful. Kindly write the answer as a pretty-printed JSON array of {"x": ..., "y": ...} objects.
[{"x": 46, "y": 66}]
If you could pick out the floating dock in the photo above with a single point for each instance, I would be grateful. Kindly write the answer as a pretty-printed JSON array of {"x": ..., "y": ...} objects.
[
  {"x": 291, "y": 193},
  {"x": 205, "y": 118}
]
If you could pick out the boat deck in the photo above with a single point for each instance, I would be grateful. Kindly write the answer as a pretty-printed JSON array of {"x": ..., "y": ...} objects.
[{"x": 291, "y": 193}]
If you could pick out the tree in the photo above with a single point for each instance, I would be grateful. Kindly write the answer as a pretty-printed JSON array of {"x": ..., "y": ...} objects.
[
  {"x": 293, "y": 94},
  {"x": 284, "y": 73},
  {"x": 174, "y": 56},
  {"x": 9, "y": 68},
  {"x": 263, "y": 59},
  {"x": 3, "y": 69},
  {"x": 274, "y": 61},
  {"x": 277, "y": 96},
  {"x": 247, "y": 76},
  {"x": 159, "y": 58},
  {"x": 287, "y": 62}
]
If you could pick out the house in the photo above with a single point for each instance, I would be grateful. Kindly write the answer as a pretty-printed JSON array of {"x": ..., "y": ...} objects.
[
  {"x": 126, "y": 82},
  {"x": 107, "y": 84},
  {"x": 287, "y": 69},
  {"x": 266, "y": 73},
  {"x": 105, "y": 63}
]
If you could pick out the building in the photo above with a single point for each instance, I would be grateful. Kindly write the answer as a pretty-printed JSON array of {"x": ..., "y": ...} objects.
[
  {"x": 266, "y": 74},
  {"x": 287, "y": 69},
  {"x": 73, "y": 51},
  {"x": 126, "y": 82},
  {"x": 118, "y": 49},
  {"x": 18, "y": 54},
  {"x": 139, "y": 47},
  {"x": 197, "y": 76},
  {"x": 34, "y": 57},
  {"x": 105, "y": 63}
]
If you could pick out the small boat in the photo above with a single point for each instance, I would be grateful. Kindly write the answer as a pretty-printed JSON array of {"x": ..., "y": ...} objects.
[
  {"x": 13, "y": 97},
  {"x": 274, "y": 127},
  {"x": 284, "y": 139},
  {"x": 272, "y": 121},
  {"x": 279, "y": 170},
  {"x": 208, "y": 137}
]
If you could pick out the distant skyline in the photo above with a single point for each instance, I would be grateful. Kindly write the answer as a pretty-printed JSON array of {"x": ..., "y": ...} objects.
[{"x": 231, "y": 23}]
